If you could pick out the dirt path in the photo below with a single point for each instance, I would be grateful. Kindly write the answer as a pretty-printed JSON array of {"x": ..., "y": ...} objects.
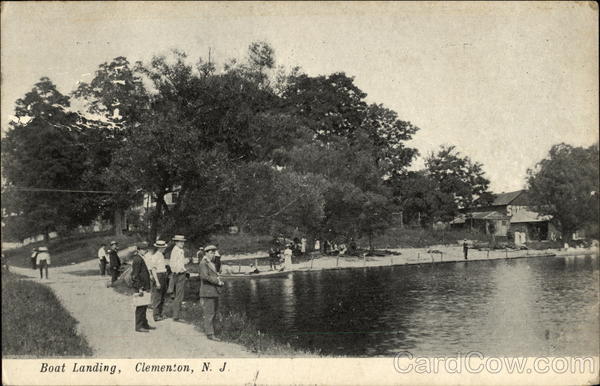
[{"x": 106, "y": 319}]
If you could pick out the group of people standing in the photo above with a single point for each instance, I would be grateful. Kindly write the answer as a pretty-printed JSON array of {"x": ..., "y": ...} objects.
[
  {"x": 152, "y": 275},
  {"x": 40, "y": 258}
]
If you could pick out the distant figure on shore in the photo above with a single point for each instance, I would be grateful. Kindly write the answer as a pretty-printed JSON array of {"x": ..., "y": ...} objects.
[
  {"x": 102, "y": 259},
  {"x": 287, "y": 258},
  {"x": 178, "y": 262},
  {"x": 273, "y": 258},
  {"x": 465, "y": 248},
  {"x": 140, "y": 280},
  {"x": 210, "y": 288},
  {"x": 33, "y": 257},
  {"x": 115, "y": 261},
  {"x": 253, "y": 269},
  {"x": 158, "y": 269},
  {"x": 43, "y": 260}
]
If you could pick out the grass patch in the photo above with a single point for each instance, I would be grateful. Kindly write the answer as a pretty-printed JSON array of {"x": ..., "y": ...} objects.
[
  {"x": 34, "y": 322},
  {"x": 242, "y": 243},
  {"x": 67, "y": 251},
  {"x": 420, "y": 238}
]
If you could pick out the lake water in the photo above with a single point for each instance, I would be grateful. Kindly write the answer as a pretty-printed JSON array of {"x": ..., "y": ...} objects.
[{"x": 532, "y": 306}]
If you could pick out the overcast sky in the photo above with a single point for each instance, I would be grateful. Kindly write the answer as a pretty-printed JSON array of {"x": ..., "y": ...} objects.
[{"x": 502, "y": 82}]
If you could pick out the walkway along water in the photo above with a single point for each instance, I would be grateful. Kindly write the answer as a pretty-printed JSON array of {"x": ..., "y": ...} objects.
[{"x": 106, "y": 319}]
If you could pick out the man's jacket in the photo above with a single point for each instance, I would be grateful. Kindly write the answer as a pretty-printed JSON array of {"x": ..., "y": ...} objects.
[{"x": 209, "y": 280}]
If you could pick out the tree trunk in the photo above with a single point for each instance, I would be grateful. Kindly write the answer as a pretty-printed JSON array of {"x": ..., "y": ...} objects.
[
  {"x": 401, "y": 219},
  {"x": 310, "y": 243},
  {"x": 118, "y": 222},
  {"x": 371, "y": 242},
  {"x": 567, "y": 236},
  {"x": 156, "y": 216}
]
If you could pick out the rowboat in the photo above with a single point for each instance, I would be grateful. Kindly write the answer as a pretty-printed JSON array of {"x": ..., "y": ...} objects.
[
  {"x": 246, "y": 275},
  {"x": 268, "y": 274}
]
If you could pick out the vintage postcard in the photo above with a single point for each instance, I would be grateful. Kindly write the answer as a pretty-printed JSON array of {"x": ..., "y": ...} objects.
[{"x": 331, "y": 193}]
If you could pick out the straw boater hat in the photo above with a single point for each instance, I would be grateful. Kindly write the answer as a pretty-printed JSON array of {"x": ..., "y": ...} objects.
[
  {"x": 178, "y": 238},
  {"x": 42, "y": 249},
  {"x": 160, "y": 244}
]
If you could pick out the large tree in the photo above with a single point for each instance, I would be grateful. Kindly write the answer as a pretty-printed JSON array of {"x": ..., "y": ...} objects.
[
  {"x": 418, "y": 197},
  {"x": 354, "y": 145},
  {"x": 200, "y": 126},
  {"x": 459, "y": 177},
  {"x": 565, "y": 185},
  {"x": 44, "y": 160},
  {"x": 114, "y": 102}
]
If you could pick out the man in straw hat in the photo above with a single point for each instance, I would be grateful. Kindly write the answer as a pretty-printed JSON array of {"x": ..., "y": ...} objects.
[
  {"x": 158, "y": 269},
  {"x": 178, "y": 262},
  {"x": 210, "y": 288}
]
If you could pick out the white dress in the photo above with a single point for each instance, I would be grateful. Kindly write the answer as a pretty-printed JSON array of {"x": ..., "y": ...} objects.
[{"x": 287, "y": 258}]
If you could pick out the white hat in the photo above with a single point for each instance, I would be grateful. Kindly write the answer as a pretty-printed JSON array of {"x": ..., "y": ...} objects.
[
  {"x": 42, "y": 249},
  {"x": 160, "y": 244},
  {"x": 178, "y": 238}
]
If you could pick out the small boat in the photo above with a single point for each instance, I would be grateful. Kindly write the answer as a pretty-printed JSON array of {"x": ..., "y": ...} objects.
[{"x": 247, "y": 275}]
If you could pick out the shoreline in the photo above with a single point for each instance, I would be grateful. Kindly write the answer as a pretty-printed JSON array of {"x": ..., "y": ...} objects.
[{"x": 411, "y": 256}]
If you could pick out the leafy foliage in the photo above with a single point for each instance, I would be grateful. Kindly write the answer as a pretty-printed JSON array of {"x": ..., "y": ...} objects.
[
  {"x": 565, "y": 185},
  {"x": 46, "y": 149},
  {"x": 248, "y": 144},
  {"x": 458, "y": 176}
]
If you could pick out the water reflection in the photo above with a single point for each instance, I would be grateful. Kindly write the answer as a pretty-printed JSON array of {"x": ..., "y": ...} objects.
[{"x": 505, "y": 307}]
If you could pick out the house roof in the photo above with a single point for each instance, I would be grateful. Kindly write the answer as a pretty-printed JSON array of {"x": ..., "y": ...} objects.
[
  {"x": 506, "y": 198},
  {"x": 462, "y": 218},
  {"x": 524, "y": 215},
  {"x": 487, "y": 216}
]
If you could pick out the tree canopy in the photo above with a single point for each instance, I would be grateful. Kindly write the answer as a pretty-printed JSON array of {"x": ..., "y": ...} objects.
[
  {"x": 246, "y": 143},
  {"x": 565, "y": 185},
  {"x": 45, "y": 155}
]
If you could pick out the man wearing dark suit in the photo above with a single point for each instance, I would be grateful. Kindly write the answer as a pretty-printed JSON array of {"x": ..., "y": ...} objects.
[
  {"x": 140, "y": 280},
  {"x": 210, "y": 288},
  {"x": 114, "y": 260}
]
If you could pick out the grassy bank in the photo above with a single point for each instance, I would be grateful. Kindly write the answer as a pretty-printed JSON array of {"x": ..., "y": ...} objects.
[
  {"x": 242, "y": 243},
  {"x": 67, "y": 251},
  {"x": 419, "y": 238},
  {"x": 392, "y": 238},
  {"x": 34, "y": 322}
]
